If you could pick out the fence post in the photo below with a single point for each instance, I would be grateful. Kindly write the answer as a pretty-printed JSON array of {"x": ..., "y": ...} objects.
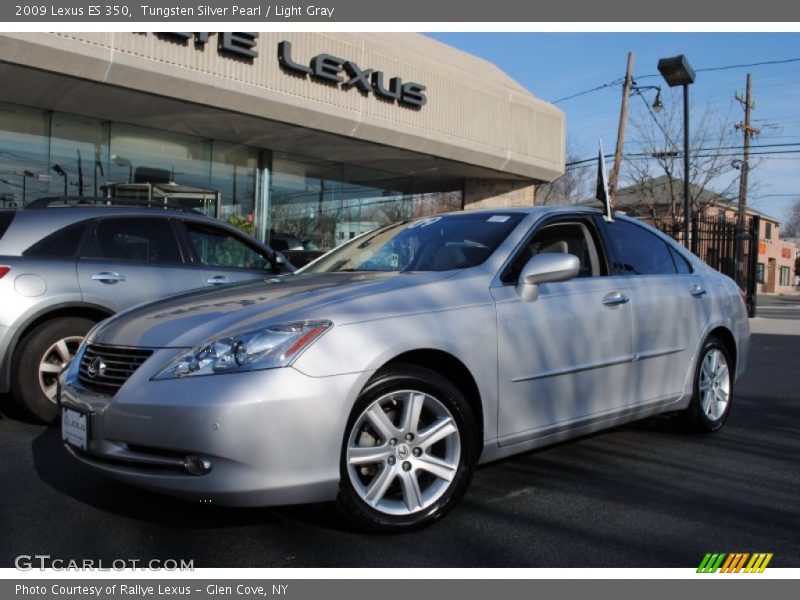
[{"x": 752, "y": 280}]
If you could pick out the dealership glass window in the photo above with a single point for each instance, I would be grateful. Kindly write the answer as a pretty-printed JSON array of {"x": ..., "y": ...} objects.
[
  {"x": 370, "y": 199},
  {"x": 324, "y": 204},
  {"x": 25, "y": 173},
  {"x": 785, "y": 274},
  {"x": 79, "y": 147},
  {"x": 161, "y": 167},
  {"x": 760, "y": 272},
  {"x": 305, "y": 200},
  {"x": 234, "y": 171}
]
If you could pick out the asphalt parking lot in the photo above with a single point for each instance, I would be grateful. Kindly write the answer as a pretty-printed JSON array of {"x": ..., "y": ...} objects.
[{"x": 642, "y": 495}]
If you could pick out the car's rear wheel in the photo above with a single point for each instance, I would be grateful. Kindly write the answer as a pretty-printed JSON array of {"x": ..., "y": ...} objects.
[
  {"x": 38, "y": 360},
  {"x": 409, "y": 451},
  {"x": 713, "y": 389}
]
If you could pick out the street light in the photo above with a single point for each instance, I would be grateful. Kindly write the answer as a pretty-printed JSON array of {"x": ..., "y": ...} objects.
[
  {"x": 63, "y": 173},
  {"x": 657, "y": 105},
  {"x": 25, "y": 174},
  {"x": 677, "y": 71},
  {"x": 124, "y": 162}
]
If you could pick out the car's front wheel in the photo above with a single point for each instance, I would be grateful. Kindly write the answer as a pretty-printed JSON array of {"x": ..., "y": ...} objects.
[
  {"x": 713, "y": 389},
  {"x": 409, "y": 450},
  {"x": 38, "y": 360}
]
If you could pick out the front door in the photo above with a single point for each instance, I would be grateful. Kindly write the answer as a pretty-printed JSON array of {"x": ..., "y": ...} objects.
[
  {"x": 225, "y": 256},
  {"x": 566, "y": 356},
  {"x": 131, "y": 260}
]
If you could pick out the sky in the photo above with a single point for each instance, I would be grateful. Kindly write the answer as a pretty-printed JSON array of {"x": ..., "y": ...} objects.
[{"x": 553, "y": 66}]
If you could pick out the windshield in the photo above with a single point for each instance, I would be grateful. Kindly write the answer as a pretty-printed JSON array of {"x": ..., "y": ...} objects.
[{"x": 441, "y": 243}]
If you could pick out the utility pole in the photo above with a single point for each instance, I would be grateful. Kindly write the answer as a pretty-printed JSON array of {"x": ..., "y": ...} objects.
[
  {"x": 623, "y": 117},
  {"x": 748, "y": 131}
]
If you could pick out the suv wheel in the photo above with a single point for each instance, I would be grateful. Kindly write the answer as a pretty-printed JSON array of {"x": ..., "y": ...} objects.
[
  {"x": 40, "y": 356},
  {"x": 409, "y": 451}
]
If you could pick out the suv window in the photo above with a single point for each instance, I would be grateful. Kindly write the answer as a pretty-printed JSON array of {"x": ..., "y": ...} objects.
[
  {"x": 134, "y": 238},
  {"x": 639, "y": 252},
  {"x": 219, "y": 248},
  {"x": 61, "y": 244},
  {"x": 6, "y": 216},
  {"x": 567, "y": 238}
]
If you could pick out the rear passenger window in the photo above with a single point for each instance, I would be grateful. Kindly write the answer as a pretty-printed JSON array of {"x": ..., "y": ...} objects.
[
  {"x": 136, "y": 239},
  {"x": 639, "y": 252},
  {"x": 61, "y": 244}
]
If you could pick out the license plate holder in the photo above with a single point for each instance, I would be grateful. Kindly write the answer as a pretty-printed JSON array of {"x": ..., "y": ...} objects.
[{"x": 75, "y": 428}]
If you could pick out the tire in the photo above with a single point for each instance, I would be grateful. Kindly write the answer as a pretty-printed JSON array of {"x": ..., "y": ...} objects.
[
  {"x": 406, "y": 483},
  {"x": 712, "y": 390},
  {"x": 33, "y": 378}
]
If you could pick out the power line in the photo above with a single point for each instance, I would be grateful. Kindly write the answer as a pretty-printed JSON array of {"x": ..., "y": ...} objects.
[
  {"x": 706, "y": 69},
  {"x": 595, "y": 89}
]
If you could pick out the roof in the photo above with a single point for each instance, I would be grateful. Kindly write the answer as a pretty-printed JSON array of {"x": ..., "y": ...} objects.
[{"x": 629, "y": 196}]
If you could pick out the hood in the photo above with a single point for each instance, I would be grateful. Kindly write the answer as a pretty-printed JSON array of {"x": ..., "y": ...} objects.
[{"x": 191, "y": 318}]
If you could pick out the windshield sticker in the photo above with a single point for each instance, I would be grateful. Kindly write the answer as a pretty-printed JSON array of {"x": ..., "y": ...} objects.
[{"x": 498, "y": 219}]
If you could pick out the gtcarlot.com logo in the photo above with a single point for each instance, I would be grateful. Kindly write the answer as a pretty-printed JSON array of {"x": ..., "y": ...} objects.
[
  {"x": 735, "y": 562},
  {"x": 29, "y": 562}
]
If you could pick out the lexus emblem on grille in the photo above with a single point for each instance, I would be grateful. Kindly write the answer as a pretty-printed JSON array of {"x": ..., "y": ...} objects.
[{"x": 96, "y": 367}]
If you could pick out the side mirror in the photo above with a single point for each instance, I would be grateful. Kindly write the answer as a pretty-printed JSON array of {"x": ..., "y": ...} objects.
[
  {"x": 546, "y": 268},
  {"x": 280, "y": 259}
]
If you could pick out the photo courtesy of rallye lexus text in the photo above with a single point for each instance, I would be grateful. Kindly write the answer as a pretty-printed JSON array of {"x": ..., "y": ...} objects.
[{"x": 380, "y": 374}]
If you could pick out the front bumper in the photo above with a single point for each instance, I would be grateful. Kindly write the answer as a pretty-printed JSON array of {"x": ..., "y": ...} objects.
[{"x": 274, "y": 436}]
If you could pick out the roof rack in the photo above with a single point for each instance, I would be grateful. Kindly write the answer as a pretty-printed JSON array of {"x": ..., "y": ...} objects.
[{"x": 76, "y": 201}]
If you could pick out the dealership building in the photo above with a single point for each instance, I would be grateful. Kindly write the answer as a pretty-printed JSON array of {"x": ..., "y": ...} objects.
[{"x": 312, "y": 135}]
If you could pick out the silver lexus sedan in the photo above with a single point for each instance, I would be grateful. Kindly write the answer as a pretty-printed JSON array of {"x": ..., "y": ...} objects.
[{"x": 383, "y": 372}]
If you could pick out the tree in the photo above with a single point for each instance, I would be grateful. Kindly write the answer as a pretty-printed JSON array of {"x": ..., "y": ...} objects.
[
  {"x": 573, "y": 186},
  {"x": 791, "y": 228},
  {"x": 653, "y": 165}
]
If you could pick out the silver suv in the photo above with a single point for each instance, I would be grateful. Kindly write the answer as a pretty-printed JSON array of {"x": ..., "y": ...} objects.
[{"x": 64, "y": 268}]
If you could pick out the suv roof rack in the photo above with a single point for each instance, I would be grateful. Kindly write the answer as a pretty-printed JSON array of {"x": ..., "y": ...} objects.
[{"x": 73, "y": 201}]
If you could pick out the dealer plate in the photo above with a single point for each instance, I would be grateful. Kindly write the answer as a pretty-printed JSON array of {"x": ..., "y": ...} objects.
[{"x": 75, "y": 428}]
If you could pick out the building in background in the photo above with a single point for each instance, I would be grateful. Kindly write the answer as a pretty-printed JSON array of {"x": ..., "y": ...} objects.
[
  {"x": 311, "y": 136},
  {"x": 775, "y": 263}
]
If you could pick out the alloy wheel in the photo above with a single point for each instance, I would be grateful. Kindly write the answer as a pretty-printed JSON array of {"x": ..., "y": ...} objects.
[
  {"x": 53, "y": 361},
  {"x": 403, "y": 452},
  {"x": 714, "y": 384}
]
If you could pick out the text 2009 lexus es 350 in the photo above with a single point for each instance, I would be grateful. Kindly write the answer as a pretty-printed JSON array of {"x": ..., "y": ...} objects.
[{"x": 379, "y": 375}]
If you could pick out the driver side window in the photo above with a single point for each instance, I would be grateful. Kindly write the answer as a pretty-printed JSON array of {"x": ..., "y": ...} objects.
[{"x": 565, "y": 238}]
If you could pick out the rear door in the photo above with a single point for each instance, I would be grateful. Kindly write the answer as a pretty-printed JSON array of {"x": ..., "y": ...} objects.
[
  {"x": 225, "y": 256},
  {"x": 134, "y": 259},
  {"x": 670, "y": 308},
  {"x": 566, "y": 356}
]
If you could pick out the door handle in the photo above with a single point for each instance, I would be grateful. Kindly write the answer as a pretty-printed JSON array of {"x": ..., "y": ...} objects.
[
  {"x": 108, "y": 277},
  {"x": 698, "y": 291},
  {"x": 615, "y": 299},
  {"x": 218, "y": 280}
]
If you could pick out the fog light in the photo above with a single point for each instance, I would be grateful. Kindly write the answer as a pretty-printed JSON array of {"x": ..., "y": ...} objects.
[{"x": 198, "y": 465}]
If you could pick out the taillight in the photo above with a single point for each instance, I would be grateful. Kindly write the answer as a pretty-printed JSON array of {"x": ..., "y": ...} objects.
[{"x": 3, "y": 271}]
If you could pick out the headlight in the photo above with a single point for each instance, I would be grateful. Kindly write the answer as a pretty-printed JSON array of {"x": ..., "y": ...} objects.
[{"x": 275, "y": 346}]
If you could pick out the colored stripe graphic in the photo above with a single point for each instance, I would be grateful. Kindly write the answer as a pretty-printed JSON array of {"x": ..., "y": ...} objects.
[
  {"x": 734, "y": 562},
  {"x": 711, "y": 562},
  {"x": 758, "y": 563}
]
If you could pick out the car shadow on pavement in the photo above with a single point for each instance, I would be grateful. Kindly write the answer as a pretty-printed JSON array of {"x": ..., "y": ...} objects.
[{"x": 68, "y": 476}]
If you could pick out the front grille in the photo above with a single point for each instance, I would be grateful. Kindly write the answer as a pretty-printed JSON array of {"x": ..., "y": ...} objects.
[{"x": 112, "y": 370}]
